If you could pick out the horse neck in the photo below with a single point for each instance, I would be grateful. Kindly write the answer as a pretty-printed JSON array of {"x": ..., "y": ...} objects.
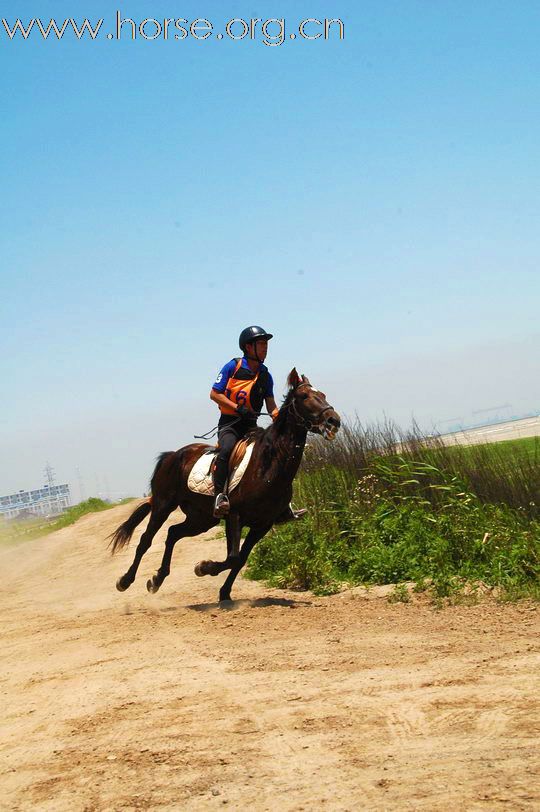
[{"x": 289, "y": 440}]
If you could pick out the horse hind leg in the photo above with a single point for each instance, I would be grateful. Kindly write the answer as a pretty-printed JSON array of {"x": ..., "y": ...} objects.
[
  {"x": 189, "y": 527},
  {"x": 157, "y": 518}
]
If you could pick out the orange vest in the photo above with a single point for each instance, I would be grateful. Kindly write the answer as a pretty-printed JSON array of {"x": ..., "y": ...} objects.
[{"x": 239, "y": 388}]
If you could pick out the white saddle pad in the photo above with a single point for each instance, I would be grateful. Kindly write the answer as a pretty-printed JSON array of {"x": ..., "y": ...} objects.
[{"x": 200, "y": 476}]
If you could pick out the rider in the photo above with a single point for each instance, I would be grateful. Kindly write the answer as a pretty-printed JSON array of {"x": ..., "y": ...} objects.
[{"x": 239, "y": 390}]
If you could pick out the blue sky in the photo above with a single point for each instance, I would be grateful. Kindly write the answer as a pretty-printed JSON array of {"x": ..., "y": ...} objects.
[{"x": 374, "y": 202}]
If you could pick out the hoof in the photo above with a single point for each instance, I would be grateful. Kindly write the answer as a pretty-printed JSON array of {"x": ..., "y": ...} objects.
[
  {"x": 201, "y": 568},
  {"x": 153, "y": 585},
  {"x": 122, "y": 584},
  {"x": 224, "y": 598}
]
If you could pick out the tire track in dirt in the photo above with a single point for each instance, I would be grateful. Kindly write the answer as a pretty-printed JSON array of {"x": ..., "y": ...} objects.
[{"x": 281, "y": 700}]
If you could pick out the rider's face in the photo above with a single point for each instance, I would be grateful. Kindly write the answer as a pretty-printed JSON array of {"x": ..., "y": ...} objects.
[{"x": 261, "y": 348}]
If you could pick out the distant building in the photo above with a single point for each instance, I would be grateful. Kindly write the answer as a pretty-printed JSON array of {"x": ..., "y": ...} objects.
[{"x": 47, "y": 501}]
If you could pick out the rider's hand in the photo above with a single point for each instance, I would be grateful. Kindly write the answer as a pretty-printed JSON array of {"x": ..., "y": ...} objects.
[{"x": 243, "y": 411}]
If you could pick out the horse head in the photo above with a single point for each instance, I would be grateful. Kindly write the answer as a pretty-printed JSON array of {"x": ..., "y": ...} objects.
[{"x": 310, "y": 407}]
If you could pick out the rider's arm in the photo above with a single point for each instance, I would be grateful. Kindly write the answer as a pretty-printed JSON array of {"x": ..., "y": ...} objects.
[
  {"x": 271, "y": 407},
  {"x": 221, "y": 399},
  {"x": 217, "y": 392}
]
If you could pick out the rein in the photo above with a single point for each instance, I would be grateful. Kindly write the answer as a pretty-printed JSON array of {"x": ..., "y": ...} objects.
[
  {"x": 215, "y": 430},
  {"x": 307, "y": 424}
]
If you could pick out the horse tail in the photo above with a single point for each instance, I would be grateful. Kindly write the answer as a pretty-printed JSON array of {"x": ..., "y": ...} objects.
[{"x": 122, "y": 535}]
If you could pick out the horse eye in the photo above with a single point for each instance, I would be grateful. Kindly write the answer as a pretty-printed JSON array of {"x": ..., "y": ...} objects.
[{"x": 305, "y": 396}]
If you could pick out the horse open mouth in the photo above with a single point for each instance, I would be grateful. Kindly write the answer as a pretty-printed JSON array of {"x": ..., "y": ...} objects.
[{"x": 329, "y": 429}]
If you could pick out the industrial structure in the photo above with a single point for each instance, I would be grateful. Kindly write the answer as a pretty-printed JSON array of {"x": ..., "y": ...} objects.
[{"x": 50, "y": 500}]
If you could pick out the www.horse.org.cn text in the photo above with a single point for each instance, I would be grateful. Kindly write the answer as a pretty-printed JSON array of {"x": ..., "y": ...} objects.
[{"x": 271, "y": 32}]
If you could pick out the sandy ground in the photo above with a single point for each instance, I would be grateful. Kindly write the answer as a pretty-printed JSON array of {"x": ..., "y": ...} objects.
[{"x": 284, "y": 701}]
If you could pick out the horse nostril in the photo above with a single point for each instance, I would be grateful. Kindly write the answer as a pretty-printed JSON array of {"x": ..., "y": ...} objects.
[{"x": 335, "y": 421}]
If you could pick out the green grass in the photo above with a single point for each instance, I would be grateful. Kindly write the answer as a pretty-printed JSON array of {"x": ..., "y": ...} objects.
[
  {"x": 524, "y": 447},
  {"x": 507, "y": 471},
  {"x": 15, "y": 532},
  {"x": 448, "y": 516}
]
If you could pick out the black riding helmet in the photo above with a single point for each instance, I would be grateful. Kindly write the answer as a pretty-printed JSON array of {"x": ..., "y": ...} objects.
[{"x": 252, "y": 333}]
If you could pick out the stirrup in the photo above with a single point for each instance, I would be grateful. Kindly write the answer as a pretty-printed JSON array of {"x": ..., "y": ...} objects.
[
  {"x": 221, "y": 505},
  {"x": 291, "y": 515}
]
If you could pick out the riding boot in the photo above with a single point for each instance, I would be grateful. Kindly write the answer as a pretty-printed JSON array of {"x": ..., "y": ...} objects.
[
  {"x": 221, "y": 505},
  {"x": 221, "y": 502}
]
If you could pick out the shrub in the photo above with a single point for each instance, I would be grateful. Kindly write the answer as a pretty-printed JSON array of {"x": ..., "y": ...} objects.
[{"x": 382, "y": 511}]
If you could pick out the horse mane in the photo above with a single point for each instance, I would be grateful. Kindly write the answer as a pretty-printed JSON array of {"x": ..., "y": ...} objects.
[
  {"x": 268, "y": 435},
  {"x": 282, "y": 416}
]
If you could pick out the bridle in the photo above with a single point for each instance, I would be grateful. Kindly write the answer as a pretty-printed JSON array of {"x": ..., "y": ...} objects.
[{"x": 306, "y": 423}]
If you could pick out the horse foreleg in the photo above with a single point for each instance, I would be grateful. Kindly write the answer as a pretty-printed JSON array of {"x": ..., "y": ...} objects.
[
  {"x": 250, "y": 541},
  {"x": 233, "y": 530},
  {"x": 157, "y": 518}
]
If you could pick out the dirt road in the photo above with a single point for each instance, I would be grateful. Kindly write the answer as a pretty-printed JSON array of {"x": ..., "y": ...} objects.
[
  {"x": 509, "y": 430},
  {"x": 284, "y": 702}
]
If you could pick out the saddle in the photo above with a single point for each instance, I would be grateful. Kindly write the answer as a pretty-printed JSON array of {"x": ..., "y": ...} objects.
[
  {"x": 200, "y": 476},
  {"x": 237, "y": 454}
]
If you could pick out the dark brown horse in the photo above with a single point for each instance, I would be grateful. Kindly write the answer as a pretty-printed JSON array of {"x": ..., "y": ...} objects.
[{"x": 258, "y": 502}]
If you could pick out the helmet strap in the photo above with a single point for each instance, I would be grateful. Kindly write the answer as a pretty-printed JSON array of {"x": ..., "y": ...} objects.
[{"x": 254, "y": 352}]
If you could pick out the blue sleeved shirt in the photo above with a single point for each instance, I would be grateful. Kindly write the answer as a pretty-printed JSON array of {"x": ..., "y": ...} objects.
[{"x": 220, "y": 384}]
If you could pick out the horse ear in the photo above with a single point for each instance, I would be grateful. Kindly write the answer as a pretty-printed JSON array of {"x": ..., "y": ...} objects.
[
  {"x": 293, "y": 380},
  {"x": 305, "y": 379}
]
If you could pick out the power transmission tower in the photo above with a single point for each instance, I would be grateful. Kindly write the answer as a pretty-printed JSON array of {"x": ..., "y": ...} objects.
[
  {"x": 107, "y": 489},
  {"x": 82, "y": 492},
  {"x": 49, "y": 476}
]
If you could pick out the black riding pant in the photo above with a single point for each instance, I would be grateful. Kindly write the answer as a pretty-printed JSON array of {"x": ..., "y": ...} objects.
[{"x": 229, "y": 434}]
